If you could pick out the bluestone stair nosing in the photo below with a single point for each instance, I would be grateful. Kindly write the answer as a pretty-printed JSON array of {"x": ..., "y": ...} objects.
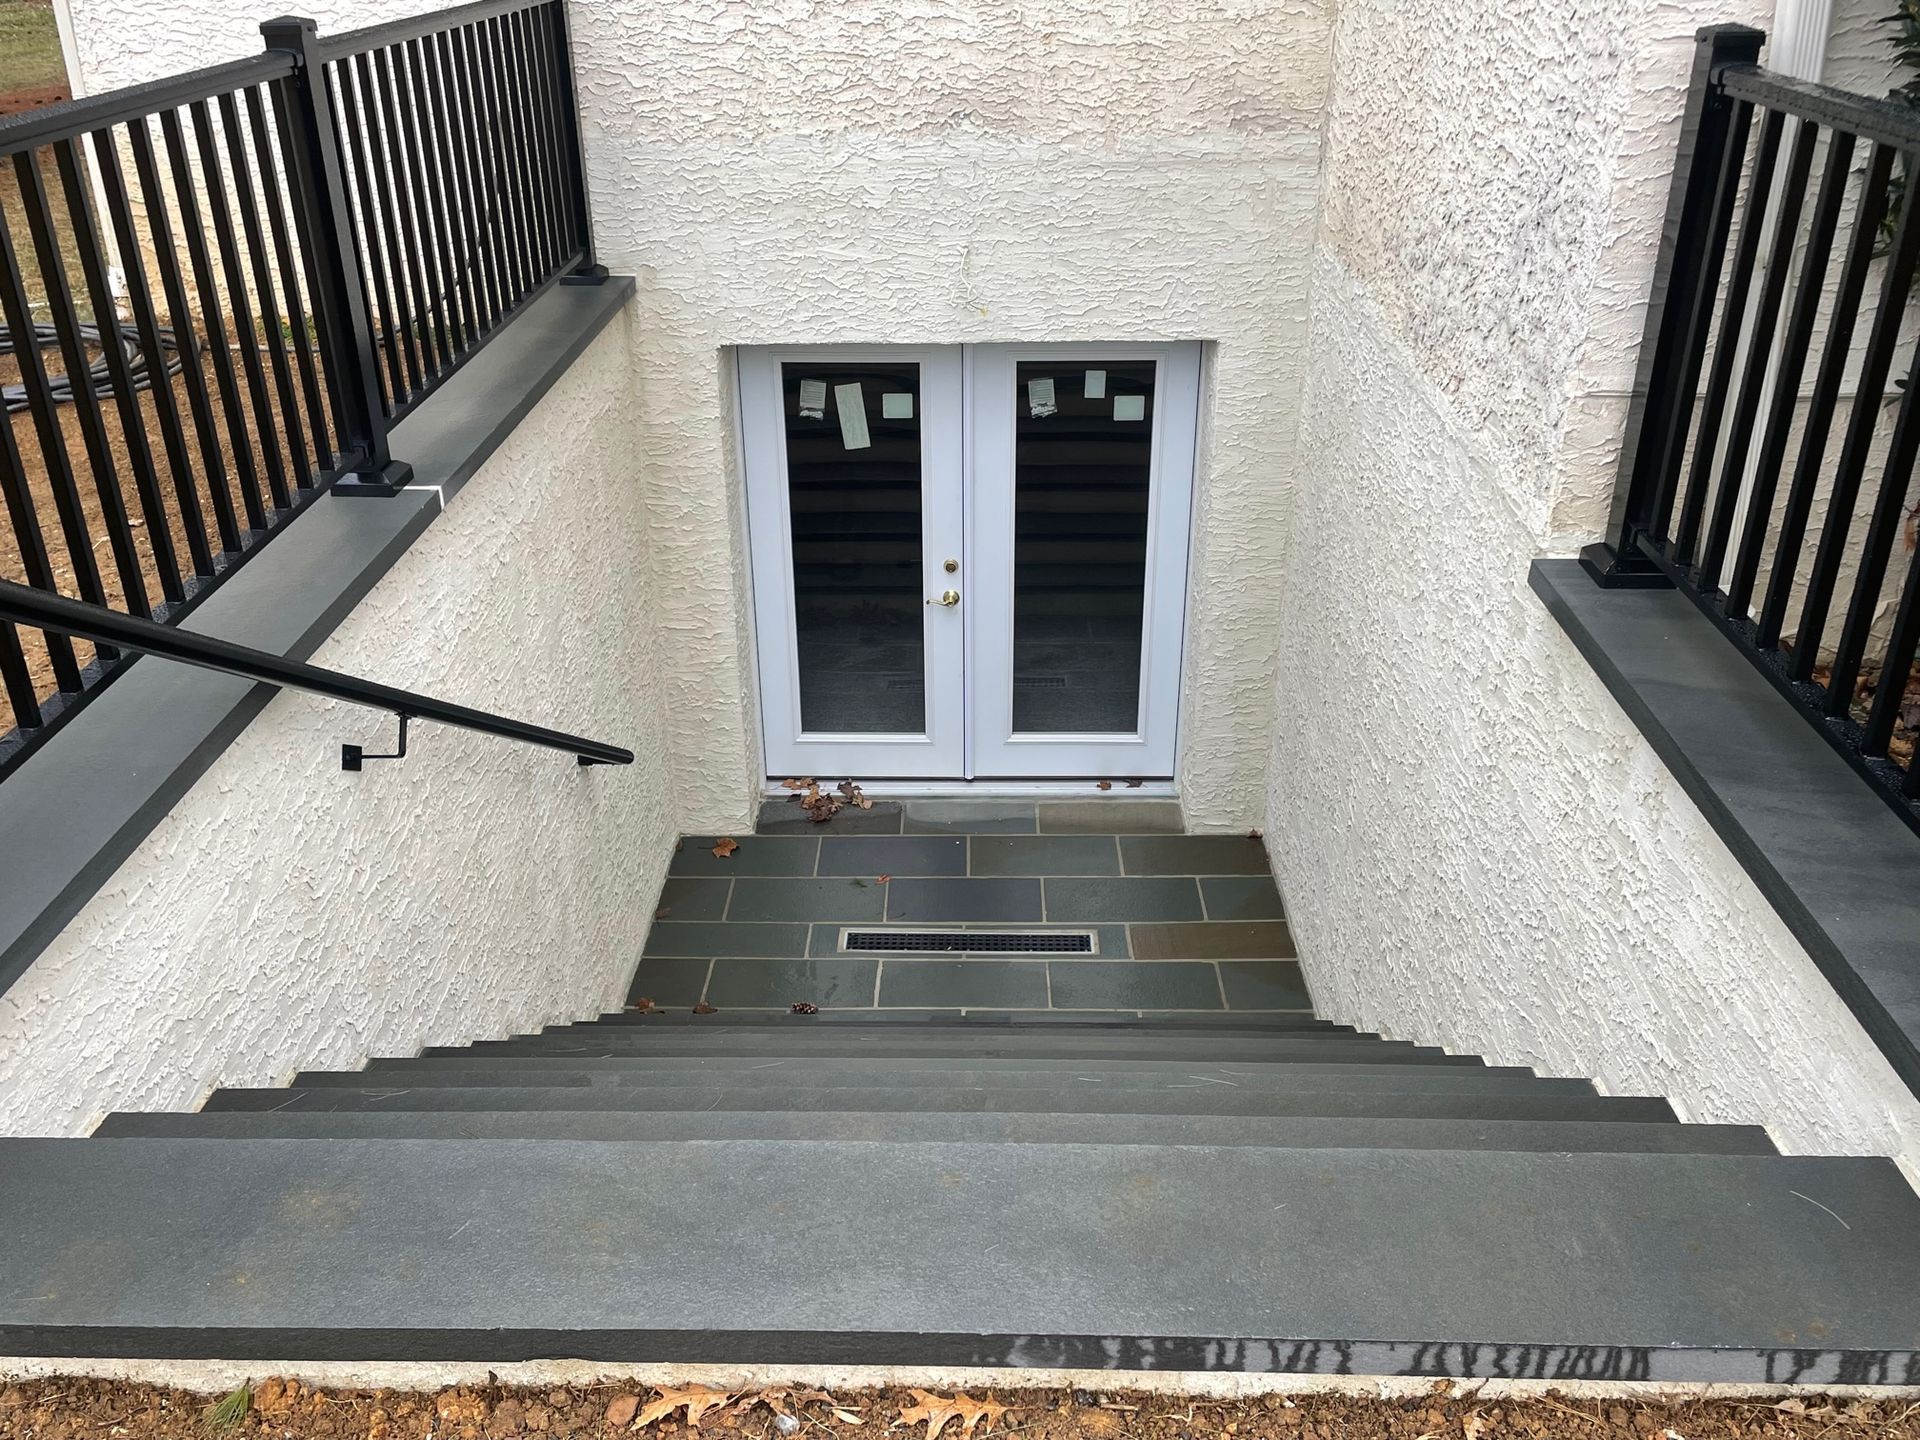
[{"x": 1293, "y": 1132}]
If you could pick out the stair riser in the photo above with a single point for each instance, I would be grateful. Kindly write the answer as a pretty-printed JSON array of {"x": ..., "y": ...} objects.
[
  {"x": 1146, "y": 1047},
  {"x": 1262, "y": 1023},
  {"x": 1301, "y": 1079}
]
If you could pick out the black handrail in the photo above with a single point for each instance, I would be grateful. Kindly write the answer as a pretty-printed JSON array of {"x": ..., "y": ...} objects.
[{"x": 27, "y": 606}]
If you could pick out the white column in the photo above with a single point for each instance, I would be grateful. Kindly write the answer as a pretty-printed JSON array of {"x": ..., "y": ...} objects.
[{"x": 1798, "y": 45}]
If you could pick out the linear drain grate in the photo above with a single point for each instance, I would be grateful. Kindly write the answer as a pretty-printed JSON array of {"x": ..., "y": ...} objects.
[{"x": 972, "y": 942}]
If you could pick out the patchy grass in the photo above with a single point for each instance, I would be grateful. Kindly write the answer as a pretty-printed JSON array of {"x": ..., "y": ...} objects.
[{"x": 30, "y": 58}]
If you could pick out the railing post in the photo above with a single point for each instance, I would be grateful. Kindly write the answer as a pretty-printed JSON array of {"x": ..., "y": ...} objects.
[
  {"x": 1658, "y": 414},
  {"x": 326, "y": 225},
  {"x": 589, "y": 272}
]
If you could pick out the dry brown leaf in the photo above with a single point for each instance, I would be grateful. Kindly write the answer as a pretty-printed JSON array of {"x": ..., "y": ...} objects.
[
  {"x": 882, "y": 879},
  {"x": 698, "y": 1399},
  {"x": 1104, "y": 785},
  {"x": 704, "y": 1009},
  {"x": 724, "y": 847},
  {"x": 937, "y": 1411},
  {"x": 1135, "y": 784},
  {"x": 621, "y": 1409},
  {"x": 663, "y": 912},
  {"x": 791, "y": 784},
  {"x": 643, "y": 1005}
]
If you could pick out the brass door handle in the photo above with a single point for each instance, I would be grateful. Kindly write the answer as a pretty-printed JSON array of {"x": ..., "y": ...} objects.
[{"x": 948, "y": 598}]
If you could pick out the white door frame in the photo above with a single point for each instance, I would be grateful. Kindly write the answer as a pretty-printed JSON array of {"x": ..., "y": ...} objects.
[
  {"x": 967, "y": 431},
  {"x": 1150, "y": 749},
  {"x": 940, "y": 753}
]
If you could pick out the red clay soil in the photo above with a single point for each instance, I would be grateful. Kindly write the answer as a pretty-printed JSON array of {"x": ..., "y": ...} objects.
[
  {"x": 286, "y": 1410},
  {"x": 18, "y": 102}
]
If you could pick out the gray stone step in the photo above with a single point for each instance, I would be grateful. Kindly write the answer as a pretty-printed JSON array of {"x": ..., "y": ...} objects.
[
  {"x": 1299, "y": 1132},
  {"x": 1653, "y": 1267},
  {"x": 1072, "y": 1050},
  {"x": 1534, "y": 1103},
  {"x": 1148, "y": 1076},
  {"x": 1003, "y": 1045}
]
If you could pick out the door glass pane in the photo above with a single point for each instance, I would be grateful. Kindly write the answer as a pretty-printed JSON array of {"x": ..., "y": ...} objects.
[
  {"x": 1083, "y": 456},
  {"x": 853, "y": 487}
]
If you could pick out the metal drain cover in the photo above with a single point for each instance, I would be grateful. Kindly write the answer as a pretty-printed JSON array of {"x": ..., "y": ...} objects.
[{"x": 973, "y": 942}]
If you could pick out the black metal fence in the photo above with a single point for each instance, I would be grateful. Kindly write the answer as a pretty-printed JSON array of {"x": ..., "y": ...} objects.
[
  {"x": 1769, "y": 460},
  {"x": 222, "y": 290}
]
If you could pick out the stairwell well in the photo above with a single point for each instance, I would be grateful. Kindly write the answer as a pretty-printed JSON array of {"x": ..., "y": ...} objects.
[{"x": 1144, "y": 1154}]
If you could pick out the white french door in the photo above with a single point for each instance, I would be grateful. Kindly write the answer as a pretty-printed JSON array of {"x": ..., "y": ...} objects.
[{"x": 970, "y": 562}]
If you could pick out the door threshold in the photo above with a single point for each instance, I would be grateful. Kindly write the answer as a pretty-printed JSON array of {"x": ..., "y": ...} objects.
[{"x": 995, "y": 789}]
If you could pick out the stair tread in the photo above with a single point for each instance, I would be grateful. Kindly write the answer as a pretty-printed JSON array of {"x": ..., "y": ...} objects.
[
  {"x": 768, "y": 1251},
  {"x": 1013, "y": 1074},
  {"x": 1200, "y": 1100},
  {"x": 1006, "y": 1128},
  {"x": 917, "y": 1058}
]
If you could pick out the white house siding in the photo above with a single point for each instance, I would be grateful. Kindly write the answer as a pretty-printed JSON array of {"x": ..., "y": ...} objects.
[
  {"x": 1476, "y": 846},
  {"x": 286, "y": 914}
]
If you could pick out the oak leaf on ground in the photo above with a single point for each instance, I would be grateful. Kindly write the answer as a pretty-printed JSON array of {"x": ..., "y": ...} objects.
[
  {"x": 698, "y": 1399},
  {"x": 936, "y": 1410},
  {"x": 724, "y": 847}
]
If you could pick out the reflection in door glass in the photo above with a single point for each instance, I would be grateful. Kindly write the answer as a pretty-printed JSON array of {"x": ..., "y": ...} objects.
[
  {"x": 1083, "y": 457},
  {"x": 853, "y": 487}
]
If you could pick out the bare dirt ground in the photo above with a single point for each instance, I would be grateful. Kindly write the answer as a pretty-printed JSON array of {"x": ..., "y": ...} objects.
[{"x": 59, "y": 1409}]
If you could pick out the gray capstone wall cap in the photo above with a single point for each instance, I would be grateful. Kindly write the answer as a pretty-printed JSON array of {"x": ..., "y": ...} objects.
[{"x": 1827, "y": 852}]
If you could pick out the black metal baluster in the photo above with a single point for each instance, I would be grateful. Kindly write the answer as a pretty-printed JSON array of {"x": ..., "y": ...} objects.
[
  {"x": 451, "y": 128},
  {"x": 430, "y": 151},
  {"x": 186, "y": 495},
  {"x": 1794, "y": 345},
  {"x": 477, "y": 131},
  {"x": 1675, "y": 421},
  {"x": 531, "y": 68},
  {"x": 334, "y": 363},
  {"x": 298, "y": 309},
  {"x": 1882, "y": 338},
  {"x": 16, "y": 681},
  {"x": 289, "y": 427},
  {"x": 133, "y": 421},
  {"x": 406, "y": 289},
  {"x": 352, "y": 144},
  {"x": 194, "y": 233},
  {"x": 1726, "y": 348},
  {"x": 86, "y": 404},
  {"x": 513, "y": 222},
  {"x": 1889, "y": 696},
  {"x": 23, "y": 515},
  {"x": 1826, "y": 392},
  {"x": 239, "y": 303},
  {"x": 180, "y": 312},
  {"x": 1720, "y": 43},
  {"x": 1883, "y": 527},
  {"x": 423, "y": 317},
  {"x": 1760, "y": 352}
]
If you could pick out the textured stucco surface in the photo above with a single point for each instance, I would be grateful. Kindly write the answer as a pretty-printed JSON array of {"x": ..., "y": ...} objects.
[
  {"x": 288, "y": 914},
  {"x": 1477, "y": 847},
  {"x": 930, "y": 172}
]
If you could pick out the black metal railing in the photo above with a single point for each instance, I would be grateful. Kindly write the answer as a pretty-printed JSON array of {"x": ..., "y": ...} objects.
[
  {"x": 55, "y": 614},
  {"x": 1774, "y": 326},
  {"x": 221, "y": 291}
]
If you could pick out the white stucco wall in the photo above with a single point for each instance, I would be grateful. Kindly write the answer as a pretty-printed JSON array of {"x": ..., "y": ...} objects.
[
  {"x": 935, "y": 172},
  {"x": 1477, "y": 847},
  {"x": 287, "y": 914}
]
